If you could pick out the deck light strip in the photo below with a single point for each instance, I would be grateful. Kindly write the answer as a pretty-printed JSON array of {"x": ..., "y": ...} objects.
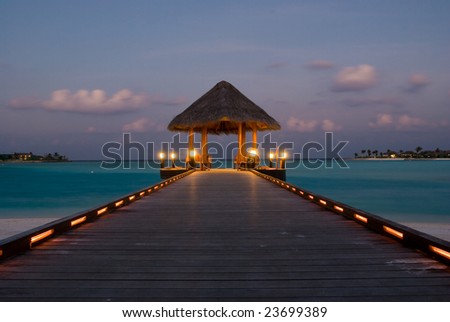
[
  {"x": 1, "y": 252},
  {"x": 323, "y": 202},
  {"x": 360, "y": 218},
  {"x": 41, "y": 236},
  {"x": 119, "y": 203},
  {"x": 393, "y": 232},
  {"x": 311, "y": 197},
  {"x": 131, "y": 198},
  {"x": 440, "y": 252},
  {"x": 142, "y": 193},
  {"x": 338, "y": 208},
  {"x": 78, "y": 221},
  {"x": 103, "y": 210}
]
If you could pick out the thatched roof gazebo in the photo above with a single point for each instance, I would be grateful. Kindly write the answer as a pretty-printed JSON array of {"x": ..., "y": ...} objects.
[{"x": 223, "y": 109}]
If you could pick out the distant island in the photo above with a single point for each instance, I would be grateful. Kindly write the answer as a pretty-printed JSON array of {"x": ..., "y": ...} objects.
[
  {"x": 31, "y": 157},
  {"x": 417, "y": 153}
]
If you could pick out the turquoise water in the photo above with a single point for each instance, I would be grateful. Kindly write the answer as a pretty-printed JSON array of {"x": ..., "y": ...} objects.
[
  {"x": 404, "y": 191},
  {"x": 61, "y": 189}
]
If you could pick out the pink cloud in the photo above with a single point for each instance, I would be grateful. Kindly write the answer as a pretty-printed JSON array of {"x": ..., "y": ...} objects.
[
  {"x": 140, "y": 125},
  {"x": 383, "y": 120},
  {"x": 407, "y": 122},
  {"x": 355, "y": 78},
  {"x": 320, "y": 64},
  {"x": 96, "y": 101},
  {"x": 93, "y": 102},
  {"x": 417, "y": 82},
  {"x": 330, "y": 126},
  {"x": 301, "y": 126}
]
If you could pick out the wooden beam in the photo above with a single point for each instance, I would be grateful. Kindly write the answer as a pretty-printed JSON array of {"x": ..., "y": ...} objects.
[{"x": 255, "y": 138}]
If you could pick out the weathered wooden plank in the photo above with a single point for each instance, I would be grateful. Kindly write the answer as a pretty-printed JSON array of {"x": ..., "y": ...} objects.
[
  {"x": 127, "y": 269},
  {"x": 266, "y": 294},
  {"x": 275, "y": 284},
  {"x": 218, "y": 275}
]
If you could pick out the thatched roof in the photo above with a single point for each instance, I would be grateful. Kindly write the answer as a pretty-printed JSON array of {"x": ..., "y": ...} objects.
[{"x": 221, "y": 110}]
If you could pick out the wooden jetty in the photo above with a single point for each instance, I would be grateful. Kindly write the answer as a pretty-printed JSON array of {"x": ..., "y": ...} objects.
[{"x": 223, "y": 235}]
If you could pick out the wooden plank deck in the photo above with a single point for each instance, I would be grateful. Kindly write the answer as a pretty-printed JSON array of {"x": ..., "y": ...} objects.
[{"x": 223, "y": 236}]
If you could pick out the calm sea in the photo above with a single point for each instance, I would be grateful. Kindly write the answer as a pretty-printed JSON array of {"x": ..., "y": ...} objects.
[
  {"x": 404, "y": 191},
  {"x": 61, "y": 189}
]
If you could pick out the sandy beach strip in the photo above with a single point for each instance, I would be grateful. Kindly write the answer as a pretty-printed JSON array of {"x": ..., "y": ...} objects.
[{"x": 13, "y": 226}]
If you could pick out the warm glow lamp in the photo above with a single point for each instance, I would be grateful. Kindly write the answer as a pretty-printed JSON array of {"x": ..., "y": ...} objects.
[
  {"x": 191, "y": 159},
  {"x": 283, "y": 157},
  {"x": 161, "y": 157},
  {"x": 271, "y": 156},
  {"x": 172, "y": 156}
]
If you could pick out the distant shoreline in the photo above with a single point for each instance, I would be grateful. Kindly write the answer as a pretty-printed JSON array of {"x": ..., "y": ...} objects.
[{"x": 34, "y": 161}]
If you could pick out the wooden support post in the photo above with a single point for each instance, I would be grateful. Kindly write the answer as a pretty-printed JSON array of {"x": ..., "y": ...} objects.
[
  {"x": 242, "y": 136},
  {"x": 244, "y": 142},
  {"x": 190, "y": 158},
  {"x": 255, "y": 138},
  {"x": 204, "y": 148},
  {"x": 238, "y": 156}
]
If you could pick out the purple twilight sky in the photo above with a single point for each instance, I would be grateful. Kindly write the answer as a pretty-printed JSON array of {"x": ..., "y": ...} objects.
[{"x": 77, "y": 74}]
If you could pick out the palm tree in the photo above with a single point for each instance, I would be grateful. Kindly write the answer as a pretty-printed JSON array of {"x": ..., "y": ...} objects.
[
  {"x": 437, "y": 151},
  {"x": 418, "y": 149},
  {"x": 369, "y": 153}
]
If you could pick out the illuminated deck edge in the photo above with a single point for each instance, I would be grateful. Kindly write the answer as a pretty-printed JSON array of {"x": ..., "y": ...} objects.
[
  {"x": 24, "y": 241},
  {"x": 434, "y": 247}
]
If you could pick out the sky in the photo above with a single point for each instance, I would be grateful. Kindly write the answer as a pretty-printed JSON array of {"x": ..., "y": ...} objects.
[{"x": 75, "y": 75}]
